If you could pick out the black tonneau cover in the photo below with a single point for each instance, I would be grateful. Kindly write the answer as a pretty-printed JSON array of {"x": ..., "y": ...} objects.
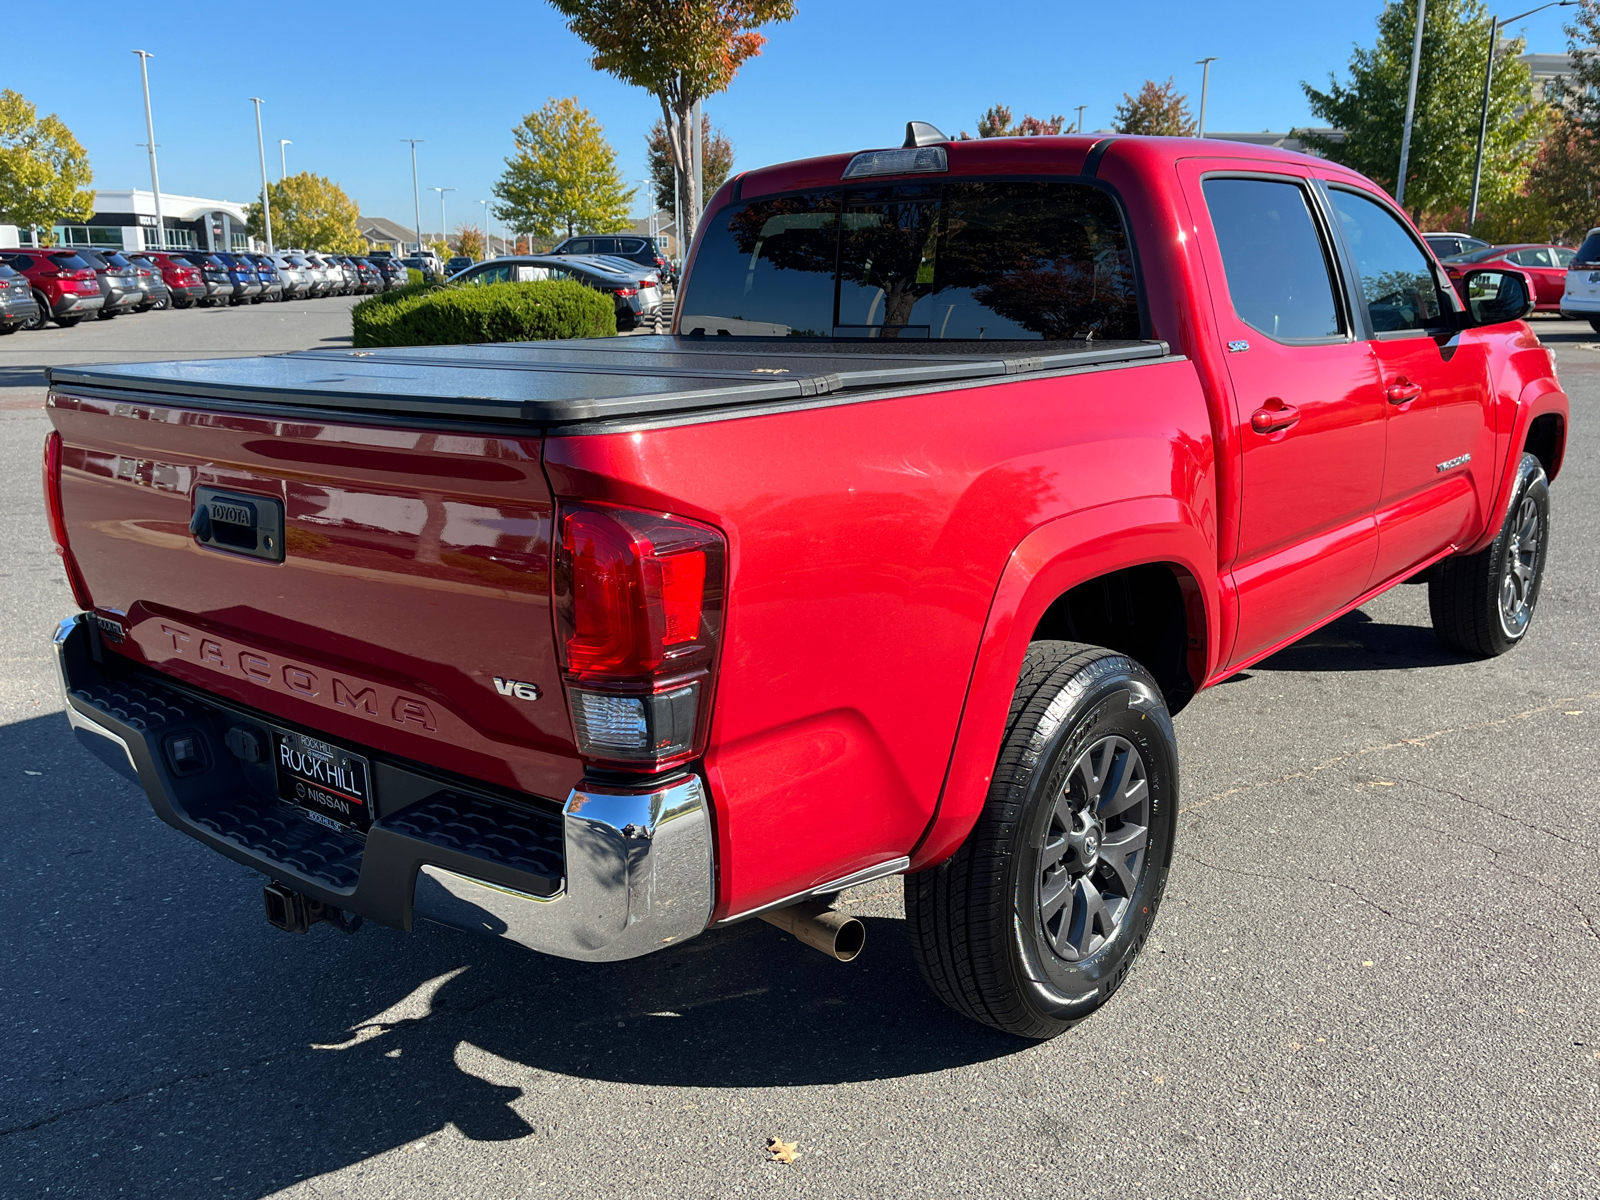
[{"x": 592, "y": 379}]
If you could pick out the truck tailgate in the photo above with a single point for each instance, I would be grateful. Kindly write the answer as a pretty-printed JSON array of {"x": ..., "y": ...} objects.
[{"x": 416, "y": 576}]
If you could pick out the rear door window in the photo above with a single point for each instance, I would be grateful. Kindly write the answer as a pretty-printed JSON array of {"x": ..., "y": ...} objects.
[
  {"x": 1563, "y": 257},
  {"x": 1397, "y": 282},
  {"x": 580, "y": 246},
  {"x": 958, "y": 260},
  {"x": 1279, "y": 274}
]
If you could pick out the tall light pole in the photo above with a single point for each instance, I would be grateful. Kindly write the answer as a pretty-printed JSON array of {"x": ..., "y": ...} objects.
[
  {"x": 283, "y": 159},
  {"x": 1081, "y": 107},
  {"x": 1495, "y": 25},
  {"x": 416, "y": 196},
  {"x": 1205, "y": 86},
  {"x": 444, "y": 226},
  {"x": 150, "y": 131},
  {"x": 261, "y": 149},
  {"x": 1411, "y": 104},
  {"x": 485, "y": 204}
]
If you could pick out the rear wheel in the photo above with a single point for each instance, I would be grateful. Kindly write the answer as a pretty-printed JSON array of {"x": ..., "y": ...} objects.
[
  {"x": 67, "y": 322},
  {"x": 105, "y": 314},
  {"x": 1484, "y": 604},
  {"x": 1037, "y": 919},
  {"x": 1594, "y": 324}
]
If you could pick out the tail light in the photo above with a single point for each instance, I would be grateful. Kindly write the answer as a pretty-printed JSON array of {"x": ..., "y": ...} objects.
[
  {"x": 58, "y": 519},
  {"x": 633, "y": 291},
  {"x": 638, "y": 604}
]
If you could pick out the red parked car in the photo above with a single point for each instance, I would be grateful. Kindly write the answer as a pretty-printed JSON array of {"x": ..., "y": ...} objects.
[
  {"x": 183, "y": 278},
  {"x": 65, "y": 287},
  {"x": 1545, "y": 264},
  {"x": 966, "y": 465}
]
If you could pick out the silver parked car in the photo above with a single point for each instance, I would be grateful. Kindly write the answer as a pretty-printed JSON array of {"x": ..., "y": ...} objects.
[
  {"x": 295, "y": 274},
  {"x": 623, "y": 287}
]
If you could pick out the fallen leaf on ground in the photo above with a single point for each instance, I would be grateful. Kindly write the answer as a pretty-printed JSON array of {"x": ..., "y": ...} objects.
[{"x": 782, "y": 1151}]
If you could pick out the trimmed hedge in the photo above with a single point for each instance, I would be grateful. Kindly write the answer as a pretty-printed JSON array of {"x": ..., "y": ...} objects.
[
  {"x": 420, "y": 315},
  {"x": 413, "y": 275}
]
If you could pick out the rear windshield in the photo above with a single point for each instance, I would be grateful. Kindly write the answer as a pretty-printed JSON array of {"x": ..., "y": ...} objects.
[
  {"x": 958, "y": 260},
  {"x": 69, "y": 262},
  {"x": 1589, "y": 252}
]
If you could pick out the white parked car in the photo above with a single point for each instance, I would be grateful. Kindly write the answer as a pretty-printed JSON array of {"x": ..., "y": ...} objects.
[
  {"x": 295, "y": 274},
  {"x": 1581, "y": 299}
]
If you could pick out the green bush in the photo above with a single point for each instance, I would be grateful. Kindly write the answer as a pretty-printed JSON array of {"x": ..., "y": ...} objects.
[
  {"x": 413, "y": 275},
  {"x": 420, "y": 315}
]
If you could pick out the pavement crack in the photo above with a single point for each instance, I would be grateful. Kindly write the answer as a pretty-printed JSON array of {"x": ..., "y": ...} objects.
[
  {"x": 1337, "y": 883},
  {"x": 1504, "y": 816},
  {"x": 1348, "y": 756},
  {"x": 1543, "y": 885},
  {"x": 109, "y": 1102}
]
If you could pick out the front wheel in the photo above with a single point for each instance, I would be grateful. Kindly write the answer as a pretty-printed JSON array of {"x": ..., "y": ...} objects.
[
  {"x": 1037, "y": 919},
  {"x": 1482, "y": 605},
  {"x": 1594, "y": 324}
]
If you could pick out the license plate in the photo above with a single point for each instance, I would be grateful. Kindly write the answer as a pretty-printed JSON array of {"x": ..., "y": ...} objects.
[{"x": 332, "y": 786}]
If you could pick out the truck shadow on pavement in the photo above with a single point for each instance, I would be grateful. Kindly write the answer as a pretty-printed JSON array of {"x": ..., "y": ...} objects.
[
  {"x": 237, "y": 1059},
  {"x": 1357, "y": 642}
]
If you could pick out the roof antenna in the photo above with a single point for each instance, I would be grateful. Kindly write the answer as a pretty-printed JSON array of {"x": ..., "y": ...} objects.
[{"x": 920, "y": 133}]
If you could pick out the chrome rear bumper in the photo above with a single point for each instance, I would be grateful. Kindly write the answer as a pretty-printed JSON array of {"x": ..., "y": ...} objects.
[{"x": 616, "y": 875}]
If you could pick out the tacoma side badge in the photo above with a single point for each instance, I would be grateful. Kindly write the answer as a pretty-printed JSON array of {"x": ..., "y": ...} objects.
[{"x": 515, "y": 687}]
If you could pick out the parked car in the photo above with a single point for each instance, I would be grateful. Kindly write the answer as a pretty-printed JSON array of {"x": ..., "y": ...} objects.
[
  {"x": 65, "y": 287},
  {"x": 458, "y": 264},
  {"x": 624, "y": 289},
  {"x": 1448, "y": 245},
  {"x": 18, "y": 308},
  {"x": 345, "y": 278},
  {"x": 243, "y": 275},
  {"x": 219, "y": 277},
  {"x": 151, "y": 283},
  {"x": 635, "y": 248},
  {"x": 880, "y": 609},
  {"x": 294, "y": 274},
  {"x": 1580, "y": 298},
  {"x": 394, "y": 272},
  {"x": 119, "y": 282},
  {"x": 648, "y": 279},
  {"x": 371, "y": 277},
  {"x": 1545, "y": 264},
  {"x": 267, "y": 271},
  {"x": 182, "y": 275},
  {"x": 428, "y": 267}
]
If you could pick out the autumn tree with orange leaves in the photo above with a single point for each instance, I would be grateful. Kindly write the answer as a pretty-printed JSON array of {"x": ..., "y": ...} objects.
[{"x": 680, "y": 51}]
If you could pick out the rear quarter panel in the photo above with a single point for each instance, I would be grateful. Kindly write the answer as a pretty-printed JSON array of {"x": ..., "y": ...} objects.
[{"x": 866, "y": 541}]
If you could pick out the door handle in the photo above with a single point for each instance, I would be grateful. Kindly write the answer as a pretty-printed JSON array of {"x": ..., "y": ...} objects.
[
  {"x": 1271, "y": 420},
  {"x": 1403, "y": 391}
]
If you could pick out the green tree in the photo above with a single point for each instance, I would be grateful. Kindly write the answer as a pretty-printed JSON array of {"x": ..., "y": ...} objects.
[
  {"x": 1370, "y": 109},
  {"x": 996, "y": 122},
  {"x": 679, "y": 51},
  {"x": 310, "y": 212},
  {"x": 718, "y": 165},
  {"x": 1159, "y": 110},
  {"x": 564, "y": 174},
  {"x": 44, "y": 172}
]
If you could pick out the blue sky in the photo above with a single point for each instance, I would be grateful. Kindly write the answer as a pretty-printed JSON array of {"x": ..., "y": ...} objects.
[{"x": 346, "y": 80}]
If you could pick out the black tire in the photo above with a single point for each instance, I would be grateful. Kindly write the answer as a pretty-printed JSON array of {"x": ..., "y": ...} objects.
[
  {"x": 67, "y": 322},
  {"x": 39, "y": 318},
  {"x": 982, "y": 930},
  {"x": 1594, "y": 324},
  {"x": 107, "y": 314},
  {"x": 1483, "y": 604},
  {"x": 12, "y": 327}
]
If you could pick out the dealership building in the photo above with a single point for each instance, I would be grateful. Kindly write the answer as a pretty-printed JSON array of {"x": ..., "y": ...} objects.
[{"x": 126, "y": 220}]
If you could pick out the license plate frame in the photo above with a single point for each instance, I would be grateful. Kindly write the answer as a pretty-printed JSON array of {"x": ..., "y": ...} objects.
[{"x": 326, "y": 782}]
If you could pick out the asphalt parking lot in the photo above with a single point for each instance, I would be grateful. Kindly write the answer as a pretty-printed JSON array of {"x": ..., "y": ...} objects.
[{"x": 1377, "y": 973}]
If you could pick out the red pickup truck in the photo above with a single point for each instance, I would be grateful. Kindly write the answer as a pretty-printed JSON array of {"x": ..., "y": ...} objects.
[{"x": 965, "y": 466}]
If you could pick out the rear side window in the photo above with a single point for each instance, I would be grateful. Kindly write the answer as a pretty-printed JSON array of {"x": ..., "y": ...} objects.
[
  {"x": 1563, "y": 257},
  {"x": 959, "y": 260},
  {"x": 21, "y": 261},
  {"x": 1397, "y": 282},
  {"x": 629, "y": 245},
  {"x": 1278, "y": 271}
]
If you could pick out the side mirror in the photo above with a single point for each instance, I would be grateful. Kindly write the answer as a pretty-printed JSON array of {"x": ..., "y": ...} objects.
[{"x": 1495, "y": 296}]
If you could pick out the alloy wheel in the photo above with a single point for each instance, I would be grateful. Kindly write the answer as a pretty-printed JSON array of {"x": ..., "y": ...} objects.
[
  {"x": 1094, "y": 849},
  {"x": 1522, "y": 570}
]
